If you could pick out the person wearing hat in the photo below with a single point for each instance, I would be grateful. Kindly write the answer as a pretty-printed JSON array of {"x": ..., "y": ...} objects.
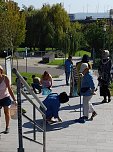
[
  {"x": 5, "y": 101},
  {"x": 85, "y": 59},
  {"x": 105, "y": 76},
  {"x": 52, "y": 103},
  {"x": 87, "y": 90}
]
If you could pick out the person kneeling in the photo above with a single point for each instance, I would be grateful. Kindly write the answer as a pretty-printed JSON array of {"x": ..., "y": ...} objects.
[
  {"x": 36, "y": 84},
  {"x": 52, "y": 103}
]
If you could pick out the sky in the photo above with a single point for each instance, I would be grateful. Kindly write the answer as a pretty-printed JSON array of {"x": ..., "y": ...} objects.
[{"x": 72, "y": 6}]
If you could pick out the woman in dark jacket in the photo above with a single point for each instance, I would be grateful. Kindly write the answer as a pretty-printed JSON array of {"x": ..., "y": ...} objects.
[{"x": 104, "y": 76}]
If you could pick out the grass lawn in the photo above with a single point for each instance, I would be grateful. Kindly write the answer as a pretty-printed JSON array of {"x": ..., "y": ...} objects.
[
  {"x": 27, "y": 75},
  {"x": 59, "y": 62}
]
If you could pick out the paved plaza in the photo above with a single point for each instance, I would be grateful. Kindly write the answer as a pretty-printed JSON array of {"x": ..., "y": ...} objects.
[{"x": 68, "y": 136}]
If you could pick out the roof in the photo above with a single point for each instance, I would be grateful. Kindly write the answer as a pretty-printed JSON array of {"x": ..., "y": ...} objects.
[{"x": 82, "y": 16}]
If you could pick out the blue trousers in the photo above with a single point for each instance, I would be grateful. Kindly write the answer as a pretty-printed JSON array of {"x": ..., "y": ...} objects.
[{"x": 67, "y": 77}]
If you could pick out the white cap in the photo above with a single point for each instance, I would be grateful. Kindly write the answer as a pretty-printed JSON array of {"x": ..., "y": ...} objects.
[
  {"x": 83, "y": 67},
  {"x": 105, "y": 54}
]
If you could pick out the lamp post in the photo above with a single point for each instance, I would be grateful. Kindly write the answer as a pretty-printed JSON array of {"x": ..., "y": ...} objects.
[
  {"x": 104, "y": 42},
  {"x": 110, "y": 27},
  {"x": 26, "y": 57},
  {"x": 66, "y": 44}
]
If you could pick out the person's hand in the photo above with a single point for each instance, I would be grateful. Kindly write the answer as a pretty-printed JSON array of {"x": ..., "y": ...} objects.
[
  {"x": 81, "y": 74},
  {"x": 15, "y": 102}
]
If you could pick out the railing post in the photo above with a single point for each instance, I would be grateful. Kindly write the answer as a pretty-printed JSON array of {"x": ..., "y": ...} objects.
[
  {"x": 44, "y": 134},
  {"x": 20, "y": 138},
  {"x": 71, "y": 82},
  {"x": 34, "y": 126}
]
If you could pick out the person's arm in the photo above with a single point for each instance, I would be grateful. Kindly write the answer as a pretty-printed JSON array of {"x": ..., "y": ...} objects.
[
  {"x": 10, "y": 89},
  {"x": 41, "y": 80},
  {"x": 51, "y": 80},
  {"x": 92, "y": 85}
]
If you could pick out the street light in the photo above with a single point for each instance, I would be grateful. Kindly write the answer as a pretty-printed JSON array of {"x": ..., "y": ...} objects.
[
  {"x": 26, "y": 57},
  {"x": 104, "y": 29},
  {"x": 66, "y": 43}
]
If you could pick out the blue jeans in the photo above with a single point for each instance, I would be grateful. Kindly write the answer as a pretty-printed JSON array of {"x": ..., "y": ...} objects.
[{"x": 67, "y": 77}]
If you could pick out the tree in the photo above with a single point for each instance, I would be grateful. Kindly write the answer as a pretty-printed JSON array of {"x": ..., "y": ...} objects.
[
  {"x": 61, "y": 24},
  {"x": 94, "y": 35},
  {"x": 12, "y": 26},
  {"x": 46, "y": 27}
]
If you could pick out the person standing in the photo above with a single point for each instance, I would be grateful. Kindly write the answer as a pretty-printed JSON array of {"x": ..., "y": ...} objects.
[
  {"x": 68, "y": 65},
  {"x": 85, "y": 59},
  {"x": 87, "y": 90},
  {"x": 105, "y": 76},
  {"x": 5, "y": 101}
]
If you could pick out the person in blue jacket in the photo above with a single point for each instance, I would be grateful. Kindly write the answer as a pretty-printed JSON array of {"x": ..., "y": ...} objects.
[
  {"x": 87, "y": 90},
  {"x": 68, "y": 65},
  {"x": 52, "y": 103}
]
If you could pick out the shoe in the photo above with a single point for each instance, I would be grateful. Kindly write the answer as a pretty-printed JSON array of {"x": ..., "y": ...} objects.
[
  {"x": 109, "y": 100},
  {"x": 35, "y": 92},
  {"x": 39, "y": 91},
  {"x": 84, "y": 117},
  {"x": 23, "y": 111},
  {"x": 104, "y": 101},
  {"x": 6, "y": 131},
  {"x": 93, "y": 115}
]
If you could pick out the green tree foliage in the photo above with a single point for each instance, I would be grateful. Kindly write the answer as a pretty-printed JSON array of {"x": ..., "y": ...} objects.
[
  {"x": 12, "y": 25},
  {"x": 61, "y": 24},
  {"x": 46, "y": 27},
  {"x": 96, "y": 37},
  {"x": 75, "y": 37}
]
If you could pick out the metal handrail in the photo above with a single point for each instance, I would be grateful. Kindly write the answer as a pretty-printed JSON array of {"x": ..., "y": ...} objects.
[{"x": 20, "y": 80}]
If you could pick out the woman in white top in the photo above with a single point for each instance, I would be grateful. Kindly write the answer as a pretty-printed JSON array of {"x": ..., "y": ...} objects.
[{"x": 5, "y": 101}]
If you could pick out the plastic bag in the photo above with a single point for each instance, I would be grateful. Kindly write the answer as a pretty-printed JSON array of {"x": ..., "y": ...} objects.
[
  {"x": 13, "y": 112},
  {"x": 46, "y": 91}
]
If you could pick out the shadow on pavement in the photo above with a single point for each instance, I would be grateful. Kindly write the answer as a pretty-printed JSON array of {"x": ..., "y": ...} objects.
[
  {"x": 58, "y": 86},
  {"x": 69, "y": 107},
  {"x": 58, "y": 79},
  {"x": 49, "y": 127},
  {"x": 97, "y": 103}
]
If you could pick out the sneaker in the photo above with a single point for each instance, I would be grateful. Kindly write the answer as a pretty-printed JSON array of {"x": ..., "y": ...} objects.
[
  {"x": 104, "y": 101},
  {"x": 6, "y": 131},
  {"x": 93, "y": 115},
  {"x": 109, "y": 100},
  {"x": 39, "y": 91},
  {"x": 84, "y": 117}
]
